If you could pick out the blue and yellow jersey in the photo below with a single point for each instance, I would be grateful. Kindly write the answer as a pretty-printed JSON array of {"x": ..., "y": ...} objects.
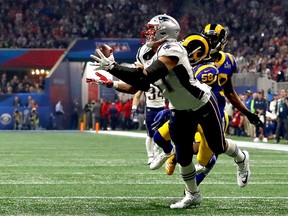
[
  {"x": 226, "y": 66},
  {"x": 208, "y": 74}
]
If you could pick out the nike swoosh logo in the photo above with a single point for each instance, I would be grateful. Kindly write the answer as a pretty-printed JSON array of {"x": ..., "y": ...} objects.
[
  {"x": 205, "y": 115},
  {"x": 246, "y": 178}
]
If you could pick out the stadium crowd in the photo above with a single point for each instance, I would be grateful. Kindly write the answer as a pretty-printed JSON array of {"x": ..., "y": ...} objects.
[
  {"x": 258, "y": 36},
  {"x": 257, "y": 29}
]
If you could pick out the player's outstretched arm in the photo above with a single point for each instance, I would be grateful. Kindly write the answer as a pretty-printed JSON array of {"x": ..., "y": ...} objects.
[{"x": 233, "y": 97}]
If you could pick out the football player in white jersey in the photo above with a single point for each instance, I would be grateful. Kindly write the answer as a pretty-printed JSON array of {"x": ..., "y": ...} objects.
[
  {"x": 191, "y": 102},
  {"x": 155, "y": 102}
]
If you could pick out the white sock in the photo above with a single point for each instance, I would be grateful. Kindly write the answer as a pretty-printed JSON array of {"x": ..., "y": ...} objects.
[
  {"x": 233, "y": 151},
  {"x": 188, "y": 174},
  {"x": 149, "y": 146}
]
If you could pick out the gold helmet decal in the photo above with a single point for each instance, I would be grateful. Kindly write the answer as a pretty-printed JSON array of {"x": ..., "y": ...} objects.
[{"x": 197, "y": 46}]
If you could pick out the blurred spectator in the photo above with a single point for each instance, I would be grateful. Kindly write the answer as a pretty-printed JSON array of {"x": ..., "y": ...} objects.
[
  {"x": 17, "y": 118},
  {"x": 280, "y": 74},
  {"x": 16, "y": 102},
  {"x": 119, "y": 106},
  {"x": 34, "y": 119},
  {"x": 76, "y": 110},
  {"x": 3, "y": 83},
  {"x": 41, "y": 83},
  {"x": 127, "y": 123},
  {"x": 88, "y": 111},
  {"x": 9, "y": 89},
  {"x": 59, "y": 115},
  {"x": 14, "y": 83},
  {"x": 238, "y": 123},
  {"x": 260, "y": 106},
  {"x": 33, "y": 103},
  {"x": 113, "y": 113},
  {"x": 20, "y": 88},
  {"x": 37, "y": 89},
  {"x": 270, "y": 96},
  {"x": 105, "y": 114},
  {"x": 282, "y": 114},
  {"x": 96, "y": 114},
  {"x": 29, "y": 101},
  {"x": 272, "y": 106},
  {"x": 26, "y": 120},
  {"x": 270, "y": 125},
  {"x": 31, "y": 89},
  {"x": 26, "y": 81}
]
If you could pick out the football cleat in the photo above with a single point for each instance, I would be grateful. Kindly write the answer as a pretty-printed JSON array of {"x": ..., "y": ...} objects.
[
  {"x": 243, "y": 171},
  {"x": 190, "y": 199},
  {"x": 160, "y": 159},
  {"x": 150, "y": 159},
  {"x": 170, "y": 165}
]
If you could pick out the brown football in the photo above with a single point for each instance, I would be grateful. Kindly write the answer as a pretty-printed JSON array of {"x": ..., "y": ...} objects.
[{"x": 105, "y": 49}]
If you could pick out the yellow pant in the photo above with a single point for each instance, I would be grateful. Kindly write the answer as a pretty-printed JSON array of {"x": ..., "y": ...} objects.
[{"x": 204, "y": 152}]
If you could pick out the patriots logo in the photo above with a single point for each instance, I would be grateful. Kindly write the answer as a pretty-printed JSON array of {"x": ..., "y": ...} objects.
[
  {"x": 168, "y": 46},
  {"x": 163, "y": 19}
]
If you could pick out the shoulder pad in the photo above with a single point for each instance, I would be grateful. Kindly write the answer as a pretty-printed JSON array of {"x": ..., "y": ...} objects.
[
  {"x": 172, "y": 49},
  {"x": 141, "y": 52}
]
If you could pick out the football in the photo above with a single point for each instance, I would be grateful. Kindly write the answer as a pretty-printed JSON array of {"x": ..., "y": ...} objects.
[{"x": 105, "y": 49}]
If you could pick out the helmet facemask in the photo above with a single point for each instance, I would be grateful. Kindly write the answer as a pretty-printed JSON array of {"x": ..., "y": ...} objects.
[
  {"x": 217, "y": 36},
  {"x": 160, "y": 28}
]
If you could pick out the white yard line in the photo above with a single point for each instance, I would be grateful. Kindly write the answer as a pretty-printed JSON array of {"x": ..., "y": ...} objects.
[
  {"x": 132, "y": 197},
  {"x": 133, "y": 183},
  {"x": 266, "y": 146}
]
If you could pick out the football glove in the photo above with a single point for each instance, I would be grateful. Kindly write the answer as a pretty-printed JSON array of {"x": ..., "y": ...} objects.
[
  {"x": 161, "y": 117},
  {"x": 103, "y": 61},
  {"x": 254, "y": 119},
  {"x": 133, "y": 114},
  {"x": 103, "y": 80}
]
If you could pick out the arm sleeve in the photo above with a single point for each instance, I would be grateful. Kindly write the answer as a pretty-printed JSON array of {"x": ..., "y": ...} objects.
[{"x": 132, "y": 76}]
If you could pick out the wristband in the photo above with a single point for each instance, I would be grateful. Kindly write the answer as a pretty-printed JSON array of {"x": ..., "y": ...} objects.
[
  {"x": 115, "y": 85},
  {"x": 134, "y": 107}
]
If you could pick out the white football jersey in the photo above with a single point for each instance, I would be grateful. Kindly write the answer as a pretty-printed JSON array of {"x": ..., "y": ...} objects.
[
  {"x": 145, "y": 56},
  {"x": 180, "y": 87},
  {"x": 154, "y": 97}
]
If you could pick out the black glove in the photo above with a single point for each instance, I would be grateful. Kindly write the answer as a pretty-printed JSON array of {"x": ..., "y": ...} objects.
[{"x": 254, "y": 119}]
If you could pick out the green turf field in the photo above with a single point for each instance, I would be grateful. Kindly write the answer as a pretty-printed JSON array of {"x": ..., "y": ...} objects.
[{"x": 95, "y": 174}]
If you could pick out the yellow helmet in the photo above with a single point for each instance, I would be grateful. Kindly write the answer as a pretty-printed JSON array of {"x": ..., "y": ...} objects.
[
  {"x": 217, "y": 36},
  {"x": 197, "y": 46}
]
